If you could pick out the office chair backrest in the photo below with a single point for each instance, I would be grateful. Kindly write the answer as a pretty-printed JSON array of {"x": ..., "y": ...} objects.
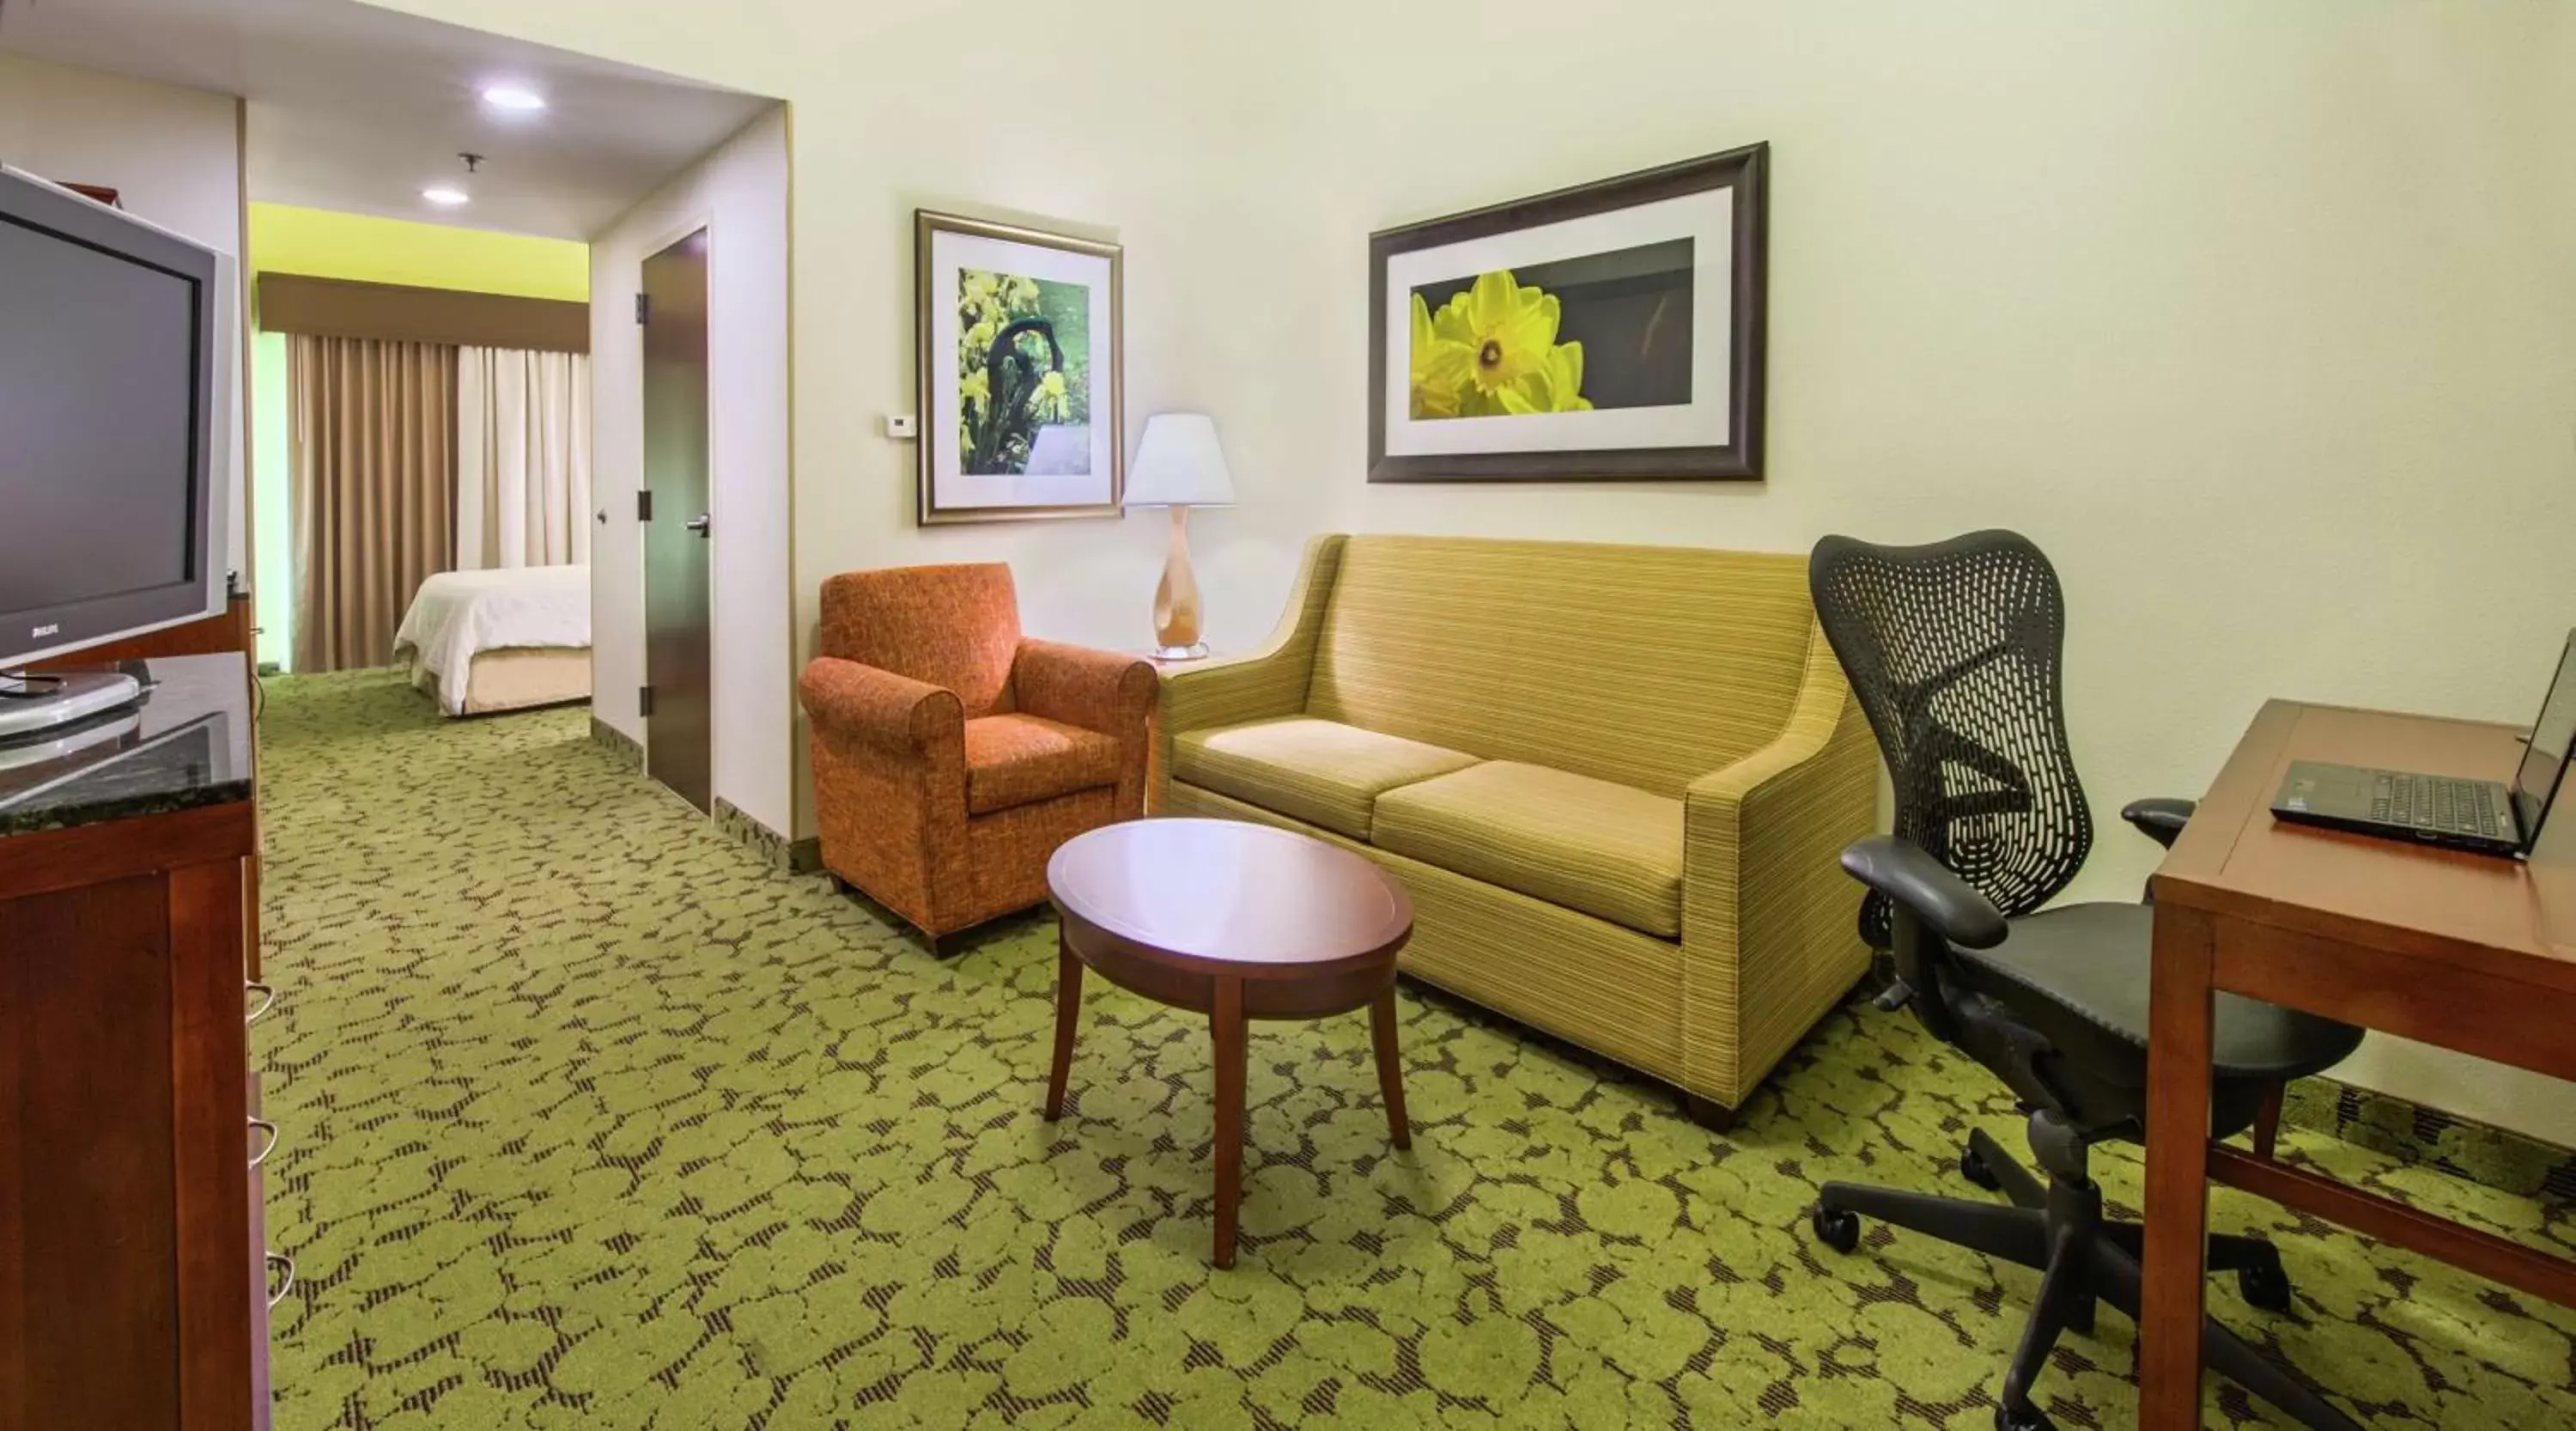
[{"x": 1954, "y": 650}]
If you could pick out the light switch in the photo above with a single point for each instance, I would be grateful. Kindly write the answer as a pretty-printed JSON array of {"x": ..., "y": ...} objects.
[{"x": 901, "y": 426}]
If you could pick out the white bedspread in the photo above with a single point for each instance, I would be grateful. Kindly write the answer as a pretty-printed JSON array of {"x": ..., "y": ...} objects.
[{"x": 460, "y": 614}]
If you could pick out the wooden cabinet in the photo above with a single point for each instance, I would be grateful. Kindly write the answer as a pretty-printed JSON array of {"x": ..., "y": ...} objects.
[{"x": 126, "y": 1195}]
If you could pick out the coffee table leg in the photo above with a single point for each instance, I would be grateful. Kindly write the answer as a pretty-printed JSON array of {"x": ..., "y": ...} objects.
[
  {"x": 1226, "y": 1023},
  {"x": 1068, "y": 1013},
  {"x": 1390, "y": 1066}
]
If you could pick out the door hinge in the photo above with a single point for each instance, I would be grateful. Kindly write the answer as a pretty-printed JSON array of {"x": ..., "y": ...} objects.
[
  {"x": 643, "y": 307},
  {"x": 644, "y": 701},
  {"x": 644, "y": 505}
]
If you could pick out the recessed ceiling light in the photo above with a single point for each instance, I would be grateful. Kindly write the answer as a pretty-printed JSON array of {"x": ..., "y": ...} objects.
[
  {"x": 517, "y": 99},
  {"x": 444, "y": 197}
]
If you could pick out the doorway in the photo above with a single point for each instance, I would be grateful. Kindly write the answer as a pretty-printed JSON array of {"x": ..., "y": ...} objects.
[{"x": 679, "y": 534}]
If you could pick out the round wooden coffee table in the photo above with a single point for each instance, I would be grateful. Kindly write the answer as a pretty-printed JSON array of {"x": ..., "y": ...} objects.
[{"x": 1237, "y": 922}]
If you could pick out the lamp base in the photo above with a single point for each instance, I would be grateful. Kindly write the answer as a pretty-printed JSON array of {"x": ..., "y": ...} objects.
[{"x": 1195, "y": 651}]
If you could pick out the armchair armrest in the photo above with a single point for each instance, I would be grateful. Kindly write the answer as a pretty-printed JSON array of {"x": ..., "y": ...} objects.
[
  {"x": 1922, "y": 885},
  {"x": 1262, "y": 684},
  {"x": 2159, "y": 819},
  {"x": 1080, "y": 686},
  {"x": 895, "y": 713}
]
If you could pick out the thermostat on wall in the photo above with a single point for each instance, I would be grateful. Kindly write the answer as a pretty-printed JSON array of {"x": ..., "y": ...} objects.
[{"x": 901, "y": 425}]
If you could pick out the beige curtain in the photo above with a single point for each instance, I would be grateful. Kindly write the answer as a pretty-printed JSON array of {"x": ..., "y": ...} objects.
[
  {"x": 522, "y": 458},
  {"x": 372, "y": 441}
]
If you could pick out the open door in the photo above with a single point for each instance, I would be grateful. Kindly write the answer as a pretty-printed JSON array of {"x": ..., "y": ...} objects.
[{"x": 678, "y": 532}]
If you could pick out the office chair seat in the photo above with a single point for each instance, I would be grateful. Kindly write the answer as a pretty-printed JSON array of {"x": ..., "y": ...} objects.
[{"x": 2092, "y": 960}]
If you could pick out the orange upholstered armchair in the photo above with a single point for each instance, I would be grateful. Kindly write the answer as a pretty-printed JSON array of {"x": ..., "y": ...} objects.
[{"x": 951, "y": 755}]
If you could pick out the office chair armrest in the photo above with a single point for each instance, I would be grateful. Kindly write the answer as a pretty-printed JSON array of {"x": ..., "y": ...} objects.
[
  {"x": 2159, "y": 819},
  {"x": 1925, "y": 887}
]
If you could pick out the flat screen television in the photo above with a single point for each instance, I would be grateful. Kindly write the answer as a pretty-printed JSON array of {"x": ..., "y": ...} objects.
[{"x": 114, "y": 430}]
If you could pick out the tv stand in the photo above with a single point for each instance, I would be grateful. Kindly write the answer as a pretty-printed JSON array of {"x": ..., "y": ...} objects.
[
  {"x": 33, "y": 702},
  {"x": 135, "y": 1279}
]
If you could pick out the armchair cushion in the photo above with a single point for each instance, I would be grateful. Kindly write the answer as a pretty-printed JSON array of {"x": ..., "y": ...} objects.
[
  {"x": 1022, "y": 759},
  {"x": 1319, "y": 771},
  {"x": 1610, "y": 850}
]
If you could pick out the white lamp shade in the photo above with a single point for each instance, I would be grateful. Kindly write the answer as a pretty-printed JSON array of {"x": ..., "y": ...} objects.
[{"x": 1179, "y": 464}]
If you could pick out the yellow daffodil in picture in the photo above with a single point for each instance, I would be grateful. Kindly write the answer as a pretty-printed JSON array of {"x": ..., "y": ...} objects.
[
  {"x": 1438, "y": 367},
  {"x": 1556, "y": 387},
  {"x": 1491, "y": 351}
]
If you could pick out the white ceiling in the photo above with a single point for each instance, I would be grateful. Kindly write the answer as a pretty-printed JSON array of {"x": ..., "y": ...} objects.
[{"x": 358, "y": 108}]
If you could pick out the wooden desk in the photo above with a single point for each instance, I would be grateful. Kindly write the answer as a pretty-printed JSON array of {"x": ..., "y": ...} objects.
[{"x": 2469, "y": 952}]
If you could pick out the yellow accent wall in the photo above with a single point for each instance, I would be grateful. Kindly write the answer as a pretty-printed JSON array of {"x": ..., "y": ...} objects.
[
  {"x": 320, "y": 243},
  {"x": 325, "y": 244}
]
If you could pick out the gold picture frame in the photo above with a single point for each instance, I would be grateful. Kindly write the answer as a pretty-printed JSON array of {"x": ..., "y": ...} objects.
[{"x": 1001, "y": 312}]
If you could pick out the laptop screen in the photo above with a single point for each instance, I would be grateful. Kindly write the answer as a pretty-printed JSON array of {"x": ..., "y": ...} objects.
[{"x": 2537, "y": 781}]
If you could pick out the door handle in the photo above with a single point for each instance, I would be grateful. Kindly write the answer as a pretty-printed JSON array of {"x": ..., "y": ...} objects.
[{"x": 700, "y": 523}]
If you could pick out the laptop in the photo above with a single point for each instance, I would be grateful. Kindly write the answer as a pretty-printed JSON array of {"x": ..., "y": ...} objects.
[{"x": 2479, "y": 815}]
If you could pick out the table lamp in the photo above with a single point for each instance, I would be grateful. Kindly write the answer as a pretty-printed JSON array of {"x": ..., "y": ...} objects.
[{"x": 1179, "y": 465}]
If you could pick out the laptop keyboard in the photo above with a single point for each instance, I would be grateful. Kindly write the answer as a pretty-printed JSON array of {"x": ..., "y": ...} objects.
[{"x": 2432, "y": 803}]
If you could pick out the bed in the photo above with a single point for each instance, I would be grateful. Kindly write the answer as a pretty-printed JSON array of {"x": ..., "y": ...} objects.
[{"x": 483, "y": 641}]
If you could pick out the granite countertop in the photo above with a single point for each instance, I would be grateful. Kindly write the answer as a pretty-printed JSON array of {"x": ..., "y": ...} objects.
[{"x": 186, "y": 743}]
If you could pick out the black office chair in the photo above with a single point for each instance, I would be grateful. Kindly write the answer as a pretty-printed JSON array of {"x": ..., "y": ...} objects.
[{"x": 1954, "y": 651}]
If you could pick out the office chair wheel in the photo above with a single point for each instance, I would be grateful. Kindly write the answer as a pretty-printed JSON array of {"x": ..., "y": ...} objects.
[
  {"x": 1972, "y": 1166},
  {"x": 2028, "y": 1418},
  {"x": 1836, "y": 1229},
  {"x": 2264, "y": 1286}
]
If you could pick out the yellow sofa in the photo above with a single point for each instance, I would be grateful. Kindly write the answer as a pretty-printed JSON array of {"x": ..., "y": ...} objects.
[{"x": 1615, "y": 781}]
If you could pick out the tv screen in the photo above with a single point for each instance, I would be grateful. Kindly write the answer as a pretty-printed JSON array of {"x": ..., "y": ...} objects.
[
  {"x": 111, "y": 423},
  {"x": 98, "y": 355}
]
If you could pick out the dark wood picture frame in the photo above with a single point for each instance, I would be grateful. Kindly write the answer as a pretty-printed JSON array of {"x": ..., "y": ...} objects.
[{"x": 1747, "y": 171}]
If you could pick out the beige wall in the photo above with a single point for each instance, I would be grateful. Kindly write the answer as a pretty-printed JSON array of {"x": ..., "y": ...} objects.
[
  {"x": 739, "y": 196},
  {"x": 174, "y": 157},
  {"x": 2259, "y": 318}
]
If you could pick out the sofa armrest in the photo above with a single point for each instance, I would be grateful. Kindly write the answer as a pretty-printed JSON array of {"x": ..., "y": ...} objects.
[
  {"x": 1080, "y": 686},
  {"x": 1263, "y": 684},
  {"x": 896, "y": 714},
  {"x": 1770, "y": 933}
]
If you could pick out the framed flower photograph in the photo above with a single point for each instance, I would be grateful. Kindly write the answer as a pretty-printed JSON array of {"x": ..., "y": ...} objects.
[
  {"x": 1611, "y": 332},
  {"x": 1019, "y": 371}
]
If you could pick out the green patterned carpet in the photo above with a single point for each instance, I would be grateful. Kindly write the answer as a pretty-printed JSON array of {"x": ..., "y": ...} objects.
[{"x": 593, "y": 1121}]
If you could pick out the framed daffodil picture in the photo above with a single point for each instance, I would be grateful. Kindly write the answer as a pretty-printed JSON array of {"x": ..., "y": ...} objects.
[
  {"x": 1019, "y": 368},
  {"x": 1610, "y": 332}
]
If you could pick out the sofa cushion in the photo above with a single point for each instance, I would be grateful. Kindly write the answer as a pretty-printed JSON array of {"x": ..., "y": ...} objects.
[
  {"x": 1318, "y": 771},
  {"x": 1014, "y": 760},
  {"x": 1608, "y": 850}
]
